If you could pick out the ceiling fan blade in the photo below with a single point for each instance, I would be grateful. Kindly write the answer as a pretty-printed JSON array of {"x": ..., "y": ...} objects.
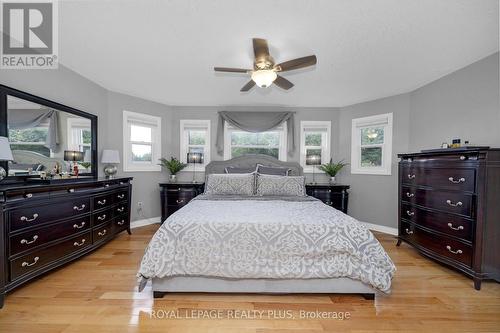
[
  {"x": 231, "y": 70},
  {"x": 297, "y": 63},
  {"x": 248, "y": 86},
  {"x": 260, "y": 48},
  {"x": 283, "y": 83}
]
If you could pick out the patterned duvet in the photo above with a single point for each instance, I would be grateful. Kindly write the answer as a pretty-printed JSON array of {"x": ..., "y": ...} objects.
[{"x": 277, "y": 238}]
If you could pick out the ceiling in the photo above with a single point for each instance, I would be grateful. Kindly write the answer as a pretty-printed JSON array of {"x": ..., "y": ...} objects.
[{"x": 165, "y": 51}]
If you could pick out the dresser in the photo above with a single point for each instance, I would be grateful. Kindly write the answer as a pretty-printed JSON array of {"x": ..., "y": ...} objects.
[
  {"x": 333, "y": 195},
  {"x": 176, "y": 195},
  {"x": 449, "y": 209},
  {"x": 44, "y": 225}
]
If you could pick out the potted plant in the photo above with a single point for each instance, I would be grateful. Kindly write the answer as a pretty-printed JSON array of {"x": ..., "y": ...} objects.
[
  {"x": 173, "y": 165},
  {"x": 85, "y": 165},
  {"x": 331, "y": 169}
]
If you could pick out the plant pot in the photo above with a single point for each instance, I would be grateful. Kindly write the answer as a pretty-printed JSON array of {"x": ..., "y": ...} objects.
[
  {"x": 332, "y": 180},
  {"x": 173, "y": 178}
]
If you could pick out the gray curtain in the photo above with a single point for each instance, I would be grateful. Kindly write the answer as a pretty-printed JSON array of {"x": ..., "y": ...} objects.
[
  {"x": 22, "y": 119},
  {"x": 256, "y": 122}
]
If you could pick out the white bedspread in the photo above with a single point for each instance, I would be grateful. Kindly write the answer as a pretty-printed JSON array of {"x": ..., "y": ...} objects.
[{"x": 266, "y": 239}]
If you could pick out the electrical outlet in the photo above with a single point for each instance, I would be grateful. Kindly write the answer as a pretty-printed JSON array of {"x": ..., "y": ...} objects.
[{"x": 139, "y": 205}]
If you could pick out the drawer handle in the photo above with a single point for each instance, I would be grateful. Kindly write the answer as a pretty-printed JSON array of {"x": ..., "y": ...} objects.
[
  {"x": 122, "y": 222},
  {"x": 71, "y": 190},
  {"x": 329, "y": 191},
  {"x": 121, "y": 196},
  {"x": 463, "y": 157},
  {"x": 408, "y": 231},
  {"x": 329, "y": 203},
  {"x": 106, "y": 185},
  {"x": 410, "y": 195},
  {"x": 76, "y": 226},
  {"x": 28, "y": 195},
  {"x": 24, "y": 218},
  {"x": 100, "y": 218},
  {"x": 461, "y": 180},
  {"x": 120, "y": 210},
  {"x": 82, "y": 207},
  {"x": 102, "y": 233},
  {"x": 457, "y": 228},
  {"x": 179, "y": 201},
  {"x": 24, "y": 241},
  {"x": 454, "y": 252},
  {"x": 411, "y": 176},
  {"x": 103, "y": 202},
  {"x": 410, "y": 213},
  {"x": 26, "y": 264},
  {"x": 179, "y": 189},
  {"x": 454, "y": 204},
  {"x": 79, "y": 244}
]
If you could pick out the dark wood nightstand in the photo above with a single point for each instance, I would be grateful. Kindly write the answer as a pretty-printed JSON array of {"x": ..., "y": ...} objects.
[
  {"x": 176, "y": 195},
  {"x": 331, "y": 194}
]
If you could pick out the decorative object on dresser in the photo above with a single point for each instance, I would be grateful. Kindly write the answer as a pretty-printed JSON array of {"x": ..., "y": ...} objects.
[
  {"x": 110, "y": 157},
  {"x": 313, "y": 161},
  {"x": 5, "y": 155},
  {"x": 73, "y": 156},
  {"x": 449, "y": 209},
  {"x": 45, "y": 224},
  {"x": 176, "y": 195},
  {"x": 331, "y": 194},
  {"x": 173, "y": 165},
  {"x": 194, "y": 158}
]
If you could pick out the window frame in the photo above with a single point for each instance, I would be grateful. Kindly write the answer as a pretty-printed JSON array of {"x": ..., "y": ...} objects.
[
  {"x": 382, "y": 120},
  {"x": 325, "y": 142},
  {"x": 145, "y": 120},
  {"x": 184, "y": 142},
  {"x": 282, "y": 147}
]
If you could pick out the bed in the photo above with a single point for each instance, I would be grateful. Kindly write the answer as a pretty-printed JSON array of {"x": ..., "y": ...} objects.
[{"x": 264, "y": 244}]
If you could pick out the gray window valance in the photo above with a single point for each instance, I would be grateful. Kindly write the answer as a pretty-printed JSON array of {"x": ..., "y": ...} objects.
[{"x": 256, "y": 122}]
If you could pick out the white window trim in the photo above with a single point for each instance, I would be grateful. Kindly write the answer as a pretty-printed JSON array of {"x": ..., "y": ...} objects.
[
  {"x": 72, "y": 123},
  {"x": 384, "y": 120},
  {"x": 155, "y": 122},
  {"x": 184, "y": 143},
  {"x": 325, "y": 143},
  {"x": 282, "y": 149}
]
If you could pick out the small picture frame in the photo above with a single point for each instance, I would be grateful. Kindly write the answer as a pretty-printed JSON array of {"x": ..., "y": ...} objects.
[{"x": 444, "y": 145}]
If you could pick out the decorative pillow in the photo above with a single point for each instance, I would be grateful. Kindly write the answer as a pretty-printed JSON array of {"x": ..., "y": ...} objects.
[
  {"x": 281, "y": 185},
  {"x": 230, "y": 184},
  {"x": 276, "y": 171},
  {"x": 234, "y": 169}
]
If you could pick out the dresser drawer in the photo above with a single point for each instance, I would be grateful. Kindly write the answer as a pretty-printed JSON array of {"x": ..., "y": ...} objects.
[
  {"x": 180, "y": 199},
  {"x": 26, "y": 194},
  {"x": 103, "y": 216},
  {"x": 121, "y": 209},
  {"x": 103, "y": 201},
  {"x": 38, "y": 215},
  {"x": 121, "y": 223},
  {"x": 102, "y": 232},
  {"x": 441, "y": 245},
  {"x": 34, "y": 238},
  {"x": 37, "y": 259},
  {"x": 121, "y": 196},
  {"x": 447, "y": 201},
  {"x": 449, "y": 224},
  {"x": 447, "y": 179}
]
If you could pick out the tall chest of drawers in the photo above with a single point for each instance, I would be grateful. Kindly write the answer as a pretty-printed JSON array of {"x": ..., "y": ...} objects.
[
  {"x": 449, "y": 209},
  {"x": 43, "y": 226}
]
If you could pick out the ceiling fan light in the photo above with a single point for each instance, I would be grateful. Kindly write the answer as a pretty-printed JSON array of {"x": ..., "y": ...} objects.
[{"x": 264, "y": 77}]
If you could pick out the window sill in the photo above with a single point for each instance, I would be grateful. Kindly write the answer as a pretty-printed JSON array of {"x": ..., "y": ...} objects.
[{"x": 375, "y": 172}]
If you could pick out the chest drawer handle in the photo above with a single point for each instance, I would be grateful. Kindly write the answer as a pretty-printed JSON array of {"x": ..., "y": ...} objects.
[
  {"x": 102, "y": 233},
  {"x": 411, "y": 176},
  {"x": 410, "y": 195},
  {"x": 457, "y": 228},
  {"x": 410, "y": 213},
  {"x": 106, "y": 185},
  {"x": 122, "y": 222},
  {"x": 454, "y": 252},
  {"x": 79, "y": 244},
  {"x": 26, "y": 264},
  {"x": 408, "y": 231},
  {"x": 120, "y": 210},
  {"x": 121, "y": 196},
  {"x": 103, "y": 202},
  {"x": 463, "y": 157},
  {"x": 76, "y": 226},
  {"x": 329, "y": 191},
  {"x": 179, "y": 201},
  {"x": 24, "y": 241},
  {"x": 24, "y": 218},
  {"x": 100, "y": 218},
  {"x": 329, "y": 203},
  {"x": 82, "y": 207},
  {"x": 461, "y": 180},
  {"x": 454, "y": 204},
  {"x": 71, "y": 190},
  {"x": 28, "y": 195}
]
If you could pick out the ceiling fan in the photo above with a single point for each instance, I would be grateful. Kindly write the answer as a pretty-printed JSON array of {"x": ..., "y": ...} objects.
[{"x": 264, "y": 72}]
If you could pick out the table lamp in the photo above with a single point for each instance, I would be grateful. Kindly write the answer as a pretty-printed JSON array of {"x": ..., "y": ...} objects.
[
  {"x": 5, "y": 154},
  {"x": 195, "y": 158},
  {"x": 110, "y": 157},
  {"x": 313, "y": 160},
  {"x": 73, "y": 156}
]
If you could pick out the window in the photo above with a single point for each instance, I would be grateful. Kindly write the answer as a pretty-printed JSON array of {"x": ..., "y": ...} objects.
[
  {"x": 79, "y": 134},
  {"x": 314, "y": 140},
  {"x": 141, "y": 142},
  {"x": 31, "y": 139},
  {"x": 372, "y": 145},
  {"x": 195, "y": 138},
  {"x": 238, "y": 142}
]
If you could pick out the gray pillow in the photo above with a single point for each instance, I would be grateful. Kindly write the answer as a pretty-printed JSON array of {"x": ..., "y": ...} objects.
[
  {"x": 234, "y": 169},
  {"x": 277, "y": 171},
  {"x": 281, "y": 185},
  {"x": 230, "y": 184}
]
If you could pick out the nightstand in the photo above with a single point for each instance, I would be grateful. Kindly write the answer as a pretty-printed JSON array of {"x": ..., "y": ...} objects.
[
  {"x": 331, "y": 194},
  {"x": 176, "y": 195}
]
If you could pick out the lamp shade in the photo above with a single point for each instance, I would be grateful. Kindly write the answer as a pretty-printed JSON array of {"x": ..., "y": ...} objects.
[
  {"x": 110, "y": 156},
  {"x": 313, "y": 159},
  {"x": 195, "y": 157},
  {"x": 5, "y": 152},
  {"x": 73, "y": 155}
]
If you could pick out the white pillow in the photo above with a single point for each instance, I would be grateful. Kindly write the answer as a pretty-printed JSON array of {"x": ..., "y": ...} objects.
[
  {"x": 230, "y": 184},
  {"x": 281, "y": 185}
]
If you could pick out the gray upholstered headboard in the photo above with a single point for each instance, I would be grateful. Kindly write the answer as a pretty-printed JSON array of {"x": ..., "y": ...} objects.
[{"x": 251, "y": 160}]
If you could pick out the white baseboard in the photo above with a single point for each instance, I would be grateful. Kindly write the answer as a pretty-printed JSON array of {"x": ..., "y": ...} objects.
[
  {"x": 144, "y": 222},
  {"x": 381, "y": 228}
]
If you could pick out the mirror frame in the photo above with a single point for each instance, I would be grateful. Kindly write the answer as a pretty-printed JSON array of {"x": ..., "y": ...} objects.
[{"x": 8, "y": 91}]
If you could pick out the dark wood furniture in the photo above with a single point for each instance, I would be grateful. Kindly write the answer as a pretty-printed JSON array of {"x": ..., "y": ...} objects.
[
  {"x": 331, "y": 194},
  {"x": 449, "y": 209},
  {"x": 176, "y": 195},
  {"x": 45, "y": 224}
]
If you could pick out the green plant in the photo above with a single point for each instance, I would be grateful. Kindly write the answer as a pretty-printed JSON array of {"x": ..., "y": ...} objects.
[
  {"x": 331, "y": 169},
  {"x": 86, "y": 165},
  {"x": 173, "y": 165}
]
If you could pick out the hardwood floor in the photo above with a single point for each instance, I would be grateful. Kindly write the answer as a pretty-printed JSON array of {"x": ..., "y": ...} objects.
[{"x": 98, "y": 294}]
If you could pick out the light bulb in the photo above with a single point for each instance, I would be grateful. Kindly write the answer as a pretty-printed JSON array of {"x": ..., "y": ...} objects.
[{"x": 264, "y": 77}]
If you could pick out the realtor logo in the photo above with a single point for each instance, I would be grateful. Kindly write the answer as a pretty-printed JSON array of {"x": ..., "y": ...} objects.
[{"x": 29, "y": 34}]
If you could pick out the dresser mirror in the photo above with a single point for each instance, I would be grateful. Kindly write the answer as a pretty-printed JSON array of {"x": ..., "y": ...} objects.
[{"x": 47, "y": 139}]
